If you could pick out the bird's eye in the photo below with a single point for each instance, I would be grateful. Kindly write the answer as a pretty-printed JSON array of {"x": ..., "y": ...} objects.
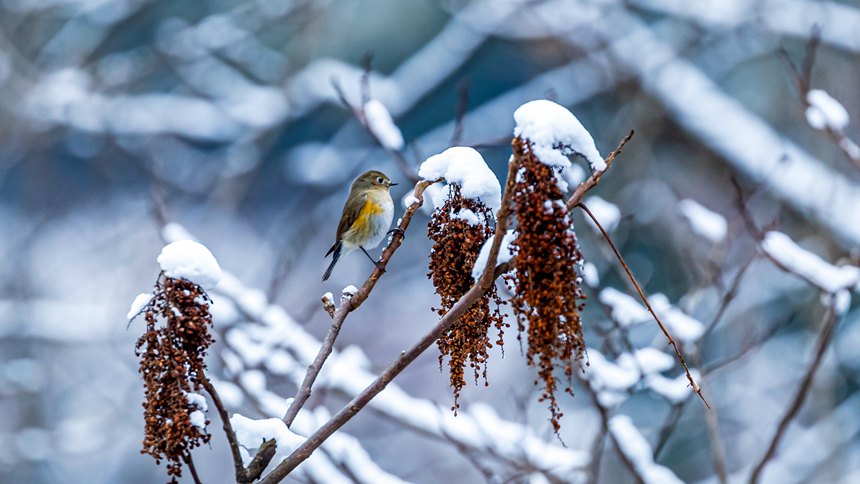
[{"x": 379, "y": 179}]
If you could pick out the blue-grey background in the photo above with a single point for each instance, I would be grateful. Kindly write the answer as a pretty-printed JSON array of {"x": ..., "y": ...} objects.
[{"x": 116, "y": 116}]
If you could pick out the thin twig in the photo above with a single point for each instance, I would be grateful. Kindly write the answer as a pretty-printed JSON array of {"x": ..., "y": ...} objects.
[
  {"x": 717, "y": 445},
  {"x": 407, "y": 357},
  {"x": 831, "y": 319},
  {"x": 604, "y": 425},
  {"x": 803, "y": 81},
  {"x": 594, "y": 179},
  {"x": 669, "y": 427},
  {"x": 350, "y": 305},
  {"x": 811, "y": 51},
  {"x": 728, "y": 296},
  {"x": 672, "y": 342},
  {"x": 228, "y": 428},
  {"x": 358, "y": 112},
  {"x": 190, "y": 462},
  {"x": 597, "y": 454}
]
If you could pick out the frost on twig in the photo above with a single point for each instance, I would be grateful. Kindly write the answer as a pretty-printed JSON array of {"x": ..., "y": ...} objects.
[{"x": 327, "y": 300}]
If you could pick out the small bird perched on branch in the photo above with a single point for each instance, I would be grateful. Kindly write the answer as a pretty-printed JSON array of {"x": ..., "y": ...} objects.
[{"x": 366, "y": 217}]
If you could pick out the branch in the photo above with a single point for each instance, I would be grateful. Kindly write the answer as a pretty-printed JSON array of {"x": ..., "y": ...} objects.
[
  {"x": 349, "y": 305},
  {"x": 831, "y": 319},
  {"x": 242, "y": 475},
  {"x": 647, "y": 303},
  {"x": 604, "y": 426},
  {"x": 190, "y": 462},
  {"x": 594, "y": 179},
  {"x": 803, "y": 79},
  {"x": 361, "y": 400},
  {"x": 358, "y": 112}
]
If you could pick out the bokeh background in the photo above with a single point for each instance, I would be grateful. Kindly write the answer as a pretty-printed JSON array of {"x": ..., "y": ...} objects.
[{"x": 118, "y": 116}]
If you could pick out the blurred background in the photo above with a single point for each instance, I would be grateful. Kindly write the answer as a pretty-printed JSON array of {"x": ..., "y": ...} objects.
[{"x": 120, "y": 116}]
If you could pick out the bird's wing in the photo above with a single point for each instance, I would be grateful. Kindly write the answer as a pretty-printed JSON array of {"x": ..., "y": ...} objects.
[{"x": 351, "y": 212}]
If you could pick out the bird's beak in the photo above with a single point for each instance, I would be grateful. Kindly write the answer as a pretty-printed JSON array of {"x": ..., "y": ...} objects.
[{"x": 392, "y": 184}]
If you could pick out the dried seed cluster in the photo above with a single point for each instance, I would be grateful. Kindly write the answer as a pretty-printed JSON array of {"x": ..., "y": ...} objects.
[
  {"x": 546, "y": 286},
  {"x": 172, "y": 352},
  {"x": 457, "y": 242}
]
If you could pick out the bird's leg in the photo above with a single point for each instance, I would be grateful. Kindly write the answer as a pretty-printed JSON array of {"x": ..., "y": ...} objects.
[{"x": 375, "y": 262}]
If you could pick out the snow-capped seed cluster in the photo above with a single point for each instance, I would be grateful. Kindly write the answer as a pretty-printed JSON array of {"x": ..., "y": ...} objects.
[
  {"x": 459, "y": 229},
  {"x": 546, "y": 286},
  {"x": 171, "y": 353}
]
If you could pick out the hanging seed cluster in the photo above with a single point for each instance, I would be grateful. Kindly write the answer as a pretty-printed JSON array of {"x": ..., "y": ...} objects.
[
  {"x": 547, "y": 293},
  {"x": 171, "y": 353},
  {"x": 456, "y": 245}
]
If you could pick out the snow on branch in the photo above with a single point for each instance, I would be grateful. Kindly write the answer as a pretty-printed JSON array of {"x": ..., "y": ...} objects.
[
  {"x": 379, "y": 123},
  {"x": 638, "y": 452},
  {"x": 627, "y": 311},
  {"x": 824, "y": 111},
  {"x": 704, "y": 222},
  {"x": 251, "y": 434},
  {"x": 613, "y": 382},
  {"x": 818, "y": 272},
  {"x": 792, "y": 18}
]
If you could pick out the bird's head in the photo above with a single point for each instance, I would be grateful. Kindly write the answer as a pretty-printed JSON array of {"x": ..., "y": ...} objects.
[{"x": 373, "y": 179}]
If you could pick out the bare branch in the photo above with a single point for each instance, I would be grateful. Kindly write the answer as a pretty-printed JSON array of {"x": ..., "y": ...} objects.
[
  {"x": 672, "y": 342},
  {"x": 190, "y": 462},
  {"x": 358, "y": 112},
  {"x": 594, "y": 179},
  {"x": 261, "y": 460},
  {"x": 604, "y": 426},
  {"x": 241, "y": 473},
  {"x": 351, "y": 304},
  {"x": 729, "y": 296},
  {"x": 717, "y": 446},
  {"x": 831, "y": 319}
]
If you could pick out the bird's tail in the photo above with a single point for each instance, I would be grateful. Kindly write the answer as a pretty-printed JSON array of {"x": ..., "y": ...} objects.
[{"x": 335, "y": 249}]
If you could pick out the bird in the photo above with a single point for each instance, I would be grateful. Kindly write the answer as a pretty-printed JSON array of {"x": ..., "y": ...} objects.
[{"x": 366, "y": 217}]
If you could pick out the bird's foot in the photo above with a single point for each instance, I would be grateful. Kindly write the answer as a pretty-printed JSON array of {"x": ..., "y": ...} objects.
[{"x": 397, "y": 230}]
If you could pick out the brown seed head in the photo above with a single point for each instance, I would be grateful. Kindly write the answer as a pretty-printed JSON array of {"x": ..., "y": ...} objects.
[
  {"x": 457, "y": 243},
  {"x": 172, "y": 352},
  {"x": 546, "y": 285}
]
